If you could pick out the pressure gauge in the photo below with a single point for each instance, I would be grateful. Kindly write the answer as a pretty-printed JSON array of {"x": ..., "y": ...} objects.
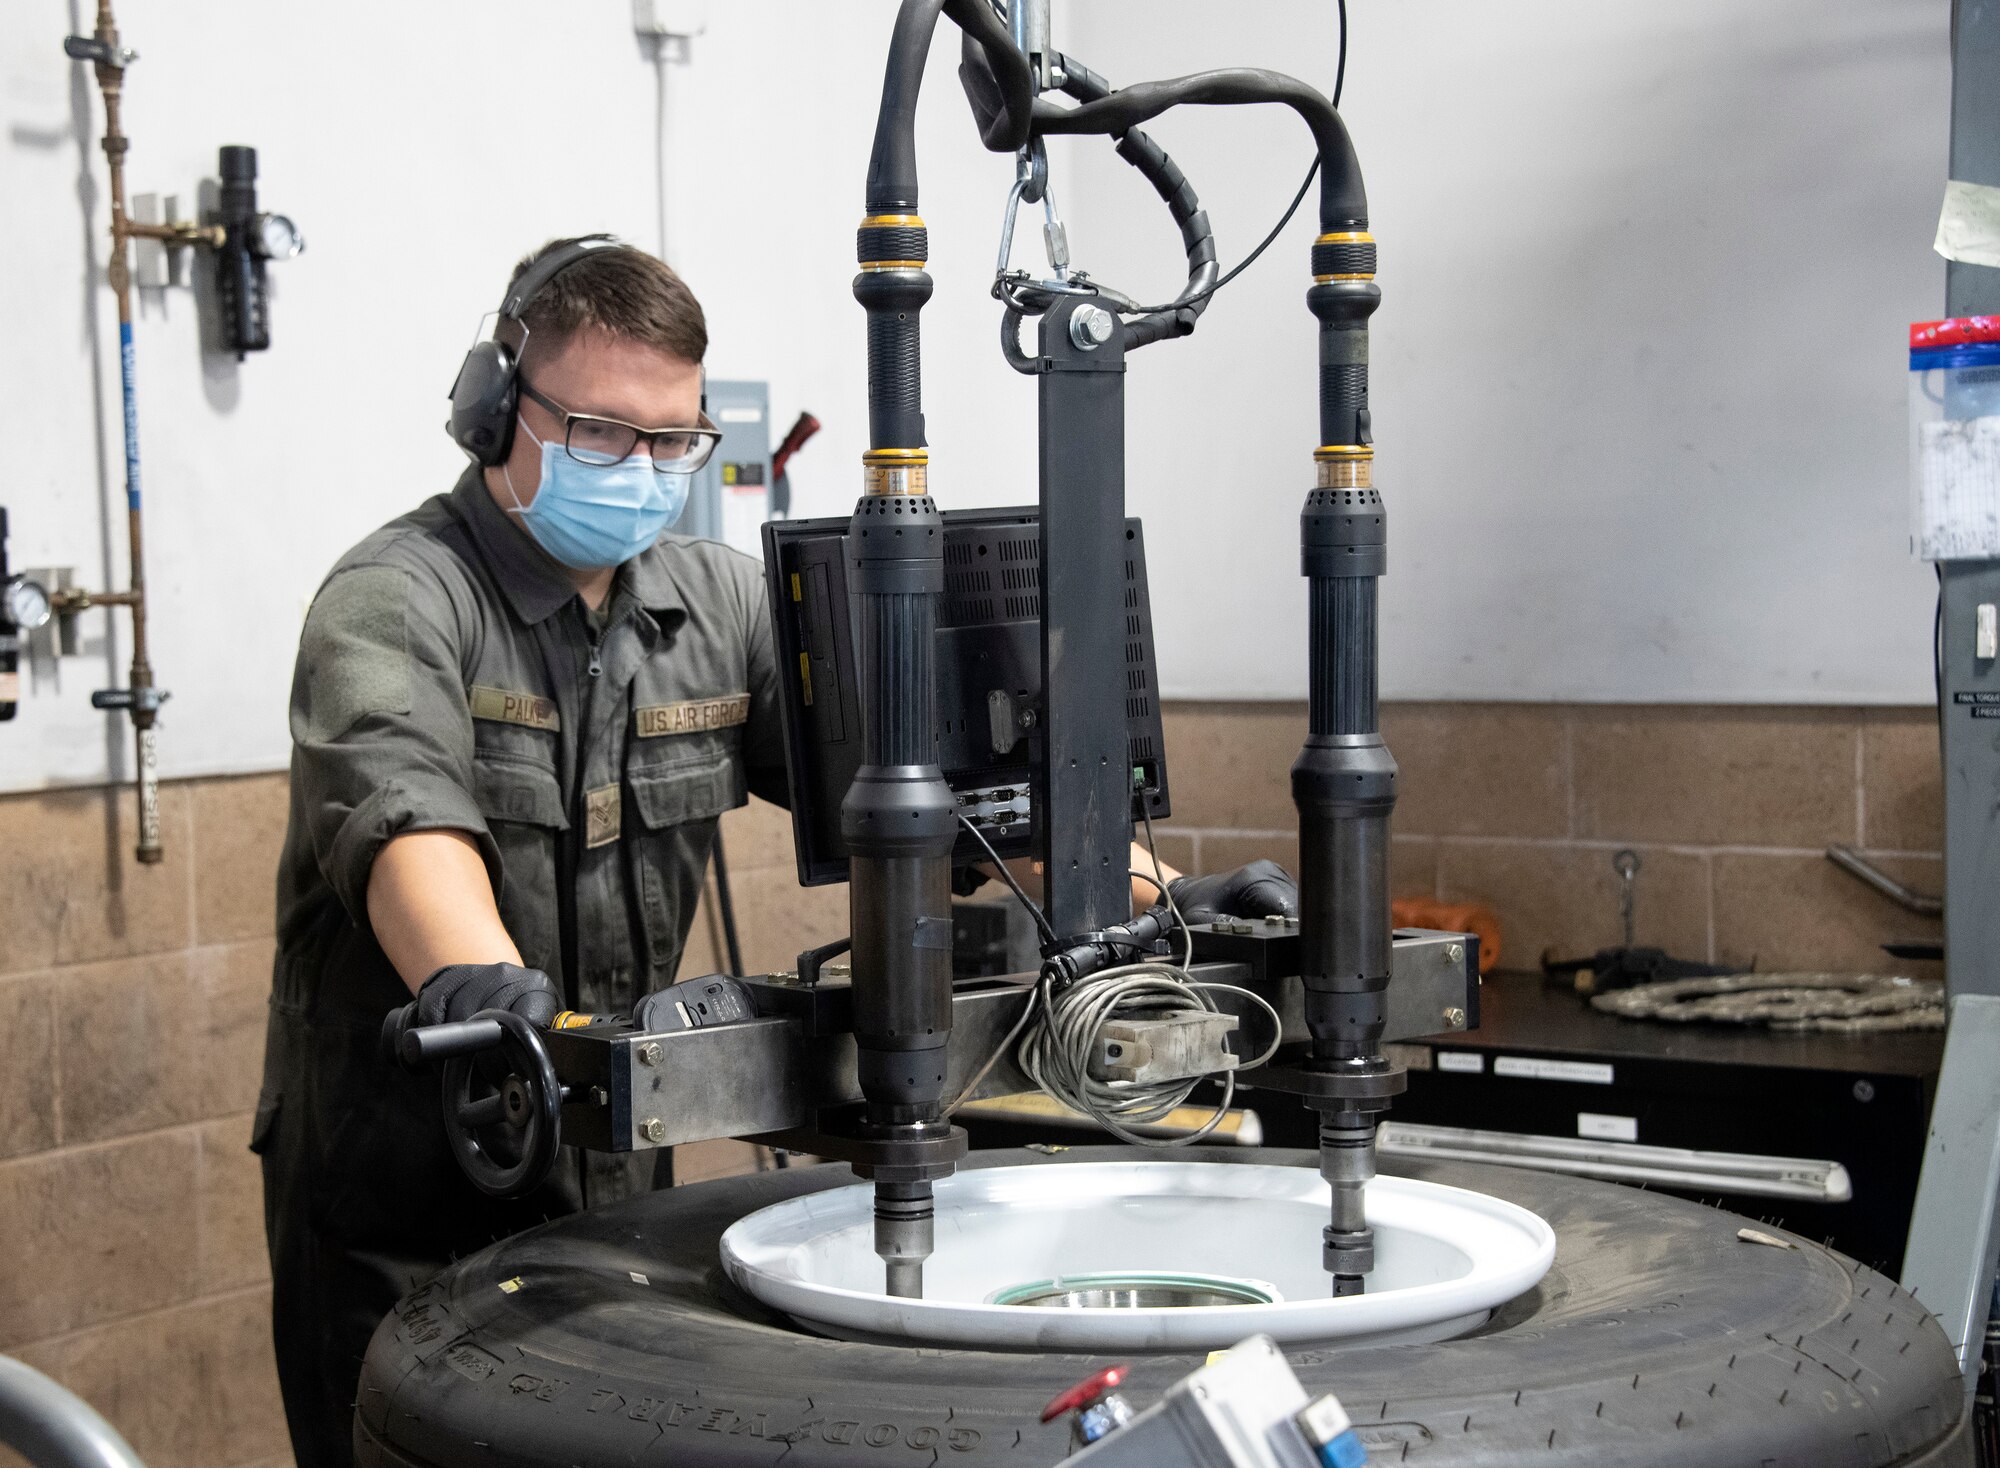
[
  {"x": 26, "y": 602},
  {"x": 277, "y": 238}
]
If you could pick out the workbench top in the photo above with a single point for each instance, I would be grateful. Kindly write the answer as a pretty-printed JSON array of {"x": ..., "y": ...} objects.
[{"x": 1529, "y": 1014}]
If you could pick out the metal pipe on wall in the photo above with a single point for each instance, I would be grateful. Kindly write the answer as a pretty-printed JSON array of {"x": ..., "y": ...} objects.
[{"x": 141, "y": 698}]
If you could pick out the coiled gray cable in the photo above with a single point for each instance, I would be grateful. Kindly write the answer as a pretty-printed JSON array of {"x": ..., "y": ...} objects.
[{"x": 1058, "y": 1048}]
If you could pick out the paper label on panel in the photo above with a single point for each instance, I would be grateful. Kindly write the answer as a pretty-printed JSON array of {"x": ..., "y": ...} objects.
[
  {"x": 1958, "y": 489},
  {"x": 1969, "y": 224},
  {"x": 1530, "y": 1068},
  {"x": 1469, "y": 1061},
  {"x": 1607, "y": 1128}
]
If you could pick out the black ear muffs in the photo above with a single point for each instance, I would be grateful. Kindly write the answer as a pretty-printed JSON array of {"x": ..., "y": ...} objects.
[
  {"x": 483, "y": 400},
  {"x": 486, "y": 392}
]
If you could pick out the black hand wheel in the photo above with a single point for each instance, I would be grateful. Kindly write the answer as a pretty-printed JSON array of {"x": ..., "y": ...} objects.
[{"x": 503, "y": 1109}]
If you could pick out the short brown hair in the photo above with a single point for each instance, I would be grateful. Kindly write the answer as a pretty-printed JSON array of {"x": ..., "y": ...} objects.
[{"x": 625, "y": 291}]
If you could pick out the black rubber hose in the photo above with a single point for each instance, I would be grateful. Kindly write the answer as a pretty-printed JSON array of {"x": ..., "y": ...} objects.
[
  {"x": 1197, "y": 236},
  {"x": 1343, "y": 202},
  {"x": 892, "y": 166},
  {"x": 1010, "y": 343},
  {"x": 1008, "y": 129},
  {"x": 892, "y": 243}
]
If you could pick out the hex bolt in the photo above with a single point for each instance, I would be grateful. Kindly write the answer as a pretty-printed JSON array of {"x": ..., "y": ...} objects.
[
  {"x": 1455, "y": 1018},
  {"x": 1454, "y": 953},
  {"x": 1091, "y": 327},
  {"x": 654, "y": 1130},
  {"x": 650, "y": 1053}
]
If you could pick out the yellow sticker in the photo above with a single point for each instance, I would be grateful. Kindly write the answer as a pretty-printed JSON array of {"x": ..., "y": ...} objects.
[
  {"x": 603, "y": 810},
  {"x": 695, "y": 716},
  {"x": 797, "y": 595},
  {"x": 806, "y": 677},
  {"x": 500, "y": 706},
  {"x": 509, "y": 1286},
  {"x": 1215, "y": 1356}
]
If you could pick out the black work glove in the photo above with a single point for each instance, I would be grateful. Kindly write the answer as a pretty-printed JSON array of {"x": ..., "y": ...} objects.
[
  {"x": 1261, "y": 889},
  {"x": 460, "y": 990}
]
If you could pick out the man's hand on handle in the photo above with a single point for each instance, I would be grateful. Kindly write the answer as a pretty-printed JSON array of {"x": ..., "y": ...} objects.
[
  {"x": 461, "y": 990},
  {"x": 1261, "y": 889}
]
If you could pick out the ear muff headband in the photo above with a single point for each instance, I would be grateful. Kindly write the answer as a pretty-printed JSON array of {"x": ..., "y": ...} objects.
[{"x": 485, "y": 394}]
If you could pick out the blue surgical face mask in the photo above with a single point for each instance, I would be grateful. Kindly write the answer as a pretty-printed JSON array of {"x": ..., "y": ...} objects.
[{"x": 591, "y": 516}]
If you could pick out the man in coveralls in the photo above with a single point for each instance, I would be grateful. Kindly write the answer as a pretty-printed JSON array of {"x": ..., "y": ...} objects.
[{"x": 517, "y": 715}]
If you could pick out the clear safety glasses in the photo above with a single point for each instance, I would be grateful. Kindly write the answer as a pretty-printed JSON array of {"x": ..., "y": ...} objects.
[{"x": 600, "y": 441}]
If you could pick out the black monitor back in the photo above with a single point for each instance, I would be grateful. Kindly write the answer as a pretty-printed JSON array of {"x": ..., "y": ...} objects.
[{"x": 989, "y": 680}]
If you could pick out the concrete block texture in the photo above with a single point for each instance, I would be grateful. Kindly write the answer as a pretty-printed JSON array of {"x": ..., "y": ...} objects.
[
  {"x": 1525, "y": 806},
  {"x": 71, "y": 890}
]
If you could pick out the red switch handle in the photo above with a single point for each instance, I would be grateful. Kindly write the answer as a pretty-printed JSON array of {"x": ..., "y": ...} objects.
[{"x": 1085, "y": 1392}]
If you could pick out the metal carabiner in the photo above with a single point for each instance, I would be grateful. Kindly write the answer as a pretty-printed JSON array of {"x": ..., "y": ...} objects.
[
  {"x": 1031, "y": 167},
  {"x": 1055, "y": 239},
  {"x": 1007, "y": 229},
  {"x": 1031, "y": 183}
]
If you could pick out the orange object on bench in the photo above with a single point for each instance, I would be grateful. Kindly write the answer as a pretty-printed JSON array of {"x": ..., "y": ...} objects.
[{"x": 1453, "y": 917}]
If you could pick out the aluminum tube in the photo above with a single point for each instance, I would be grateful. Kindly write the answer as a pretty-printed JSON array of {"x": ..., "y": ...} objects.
[
  {"x": 1744, "y": 1174},
  {"x": 1908, "y": 898},
  {"x": 52, "y": 1427},
  {"x": 1028, "y": 22}
]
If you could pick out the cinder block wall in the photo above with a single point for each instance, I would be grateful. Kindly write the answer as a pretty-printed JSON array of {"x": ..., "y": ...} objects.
[
  {"x": 1524, "y": 805},
  {"x": 131, "y": 1046},
  {"x": 132, "y": 998}
]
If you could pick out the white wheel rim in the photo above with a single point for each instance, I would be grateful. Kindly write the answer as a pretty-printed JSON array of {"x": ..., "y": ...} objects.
[{"x": 1446, "y": 1257}]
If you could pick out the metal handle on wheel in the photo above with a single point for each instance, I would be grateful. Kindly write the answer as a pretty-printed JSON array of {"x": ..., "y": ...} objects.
[
  {"x": 519, "y": 1119},
  {"x": 505, "y": 1133}
]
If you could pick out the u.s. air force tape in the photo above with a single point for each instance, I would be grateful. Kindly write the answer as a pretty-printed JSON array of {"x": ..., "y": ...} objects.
[
  {"x": 694, "y": 716},
  {"x": 504, "y": 706}
]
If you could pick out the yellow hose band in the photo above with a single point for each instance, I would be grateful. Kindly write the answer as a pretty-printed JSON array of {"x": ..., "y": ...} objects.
[
  {"x": 1325, "y": 279},
  {"x": 1327, "y": 452},
  {"x": 876, "y": 266},
  {"x": 893, "y": 221},
  {"x": 1346, "y": 237},
  {"x": 896, "y": 456}
]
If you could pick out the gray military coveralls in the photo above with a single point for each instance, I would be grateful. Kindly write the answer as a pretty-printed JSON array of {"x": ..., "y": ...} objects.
[{"x": 450, "y": 677}]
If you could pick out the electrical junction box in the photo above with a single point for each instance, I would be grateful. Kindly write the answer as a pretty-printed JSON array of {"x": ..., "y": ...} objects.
[
  {"x": 730, "y": 499},
  {"x": 1244, "y": 1409}
]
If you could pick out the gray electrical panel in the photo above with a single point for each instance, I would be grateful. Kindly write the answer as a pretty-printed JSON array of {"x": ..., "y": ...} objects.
[
  {"x": 730, "y": 498},
  {"x": 1969, "y": 684}
]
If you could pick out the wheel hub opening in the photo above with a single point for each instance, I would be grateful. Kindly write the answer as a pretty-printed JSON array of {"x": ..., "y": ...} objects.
[{"x": 1137, "y": 1291}]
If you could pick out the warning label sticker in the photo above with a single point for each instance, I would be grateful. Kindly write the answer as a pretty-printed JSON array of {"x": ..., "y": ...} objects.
[{"x": 1533, "y": 1068}]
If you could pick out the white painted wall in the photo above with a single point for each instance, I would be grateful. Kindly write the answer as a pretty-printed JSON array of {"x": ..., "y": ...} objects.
[{"x": 1637, "y": 383}]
